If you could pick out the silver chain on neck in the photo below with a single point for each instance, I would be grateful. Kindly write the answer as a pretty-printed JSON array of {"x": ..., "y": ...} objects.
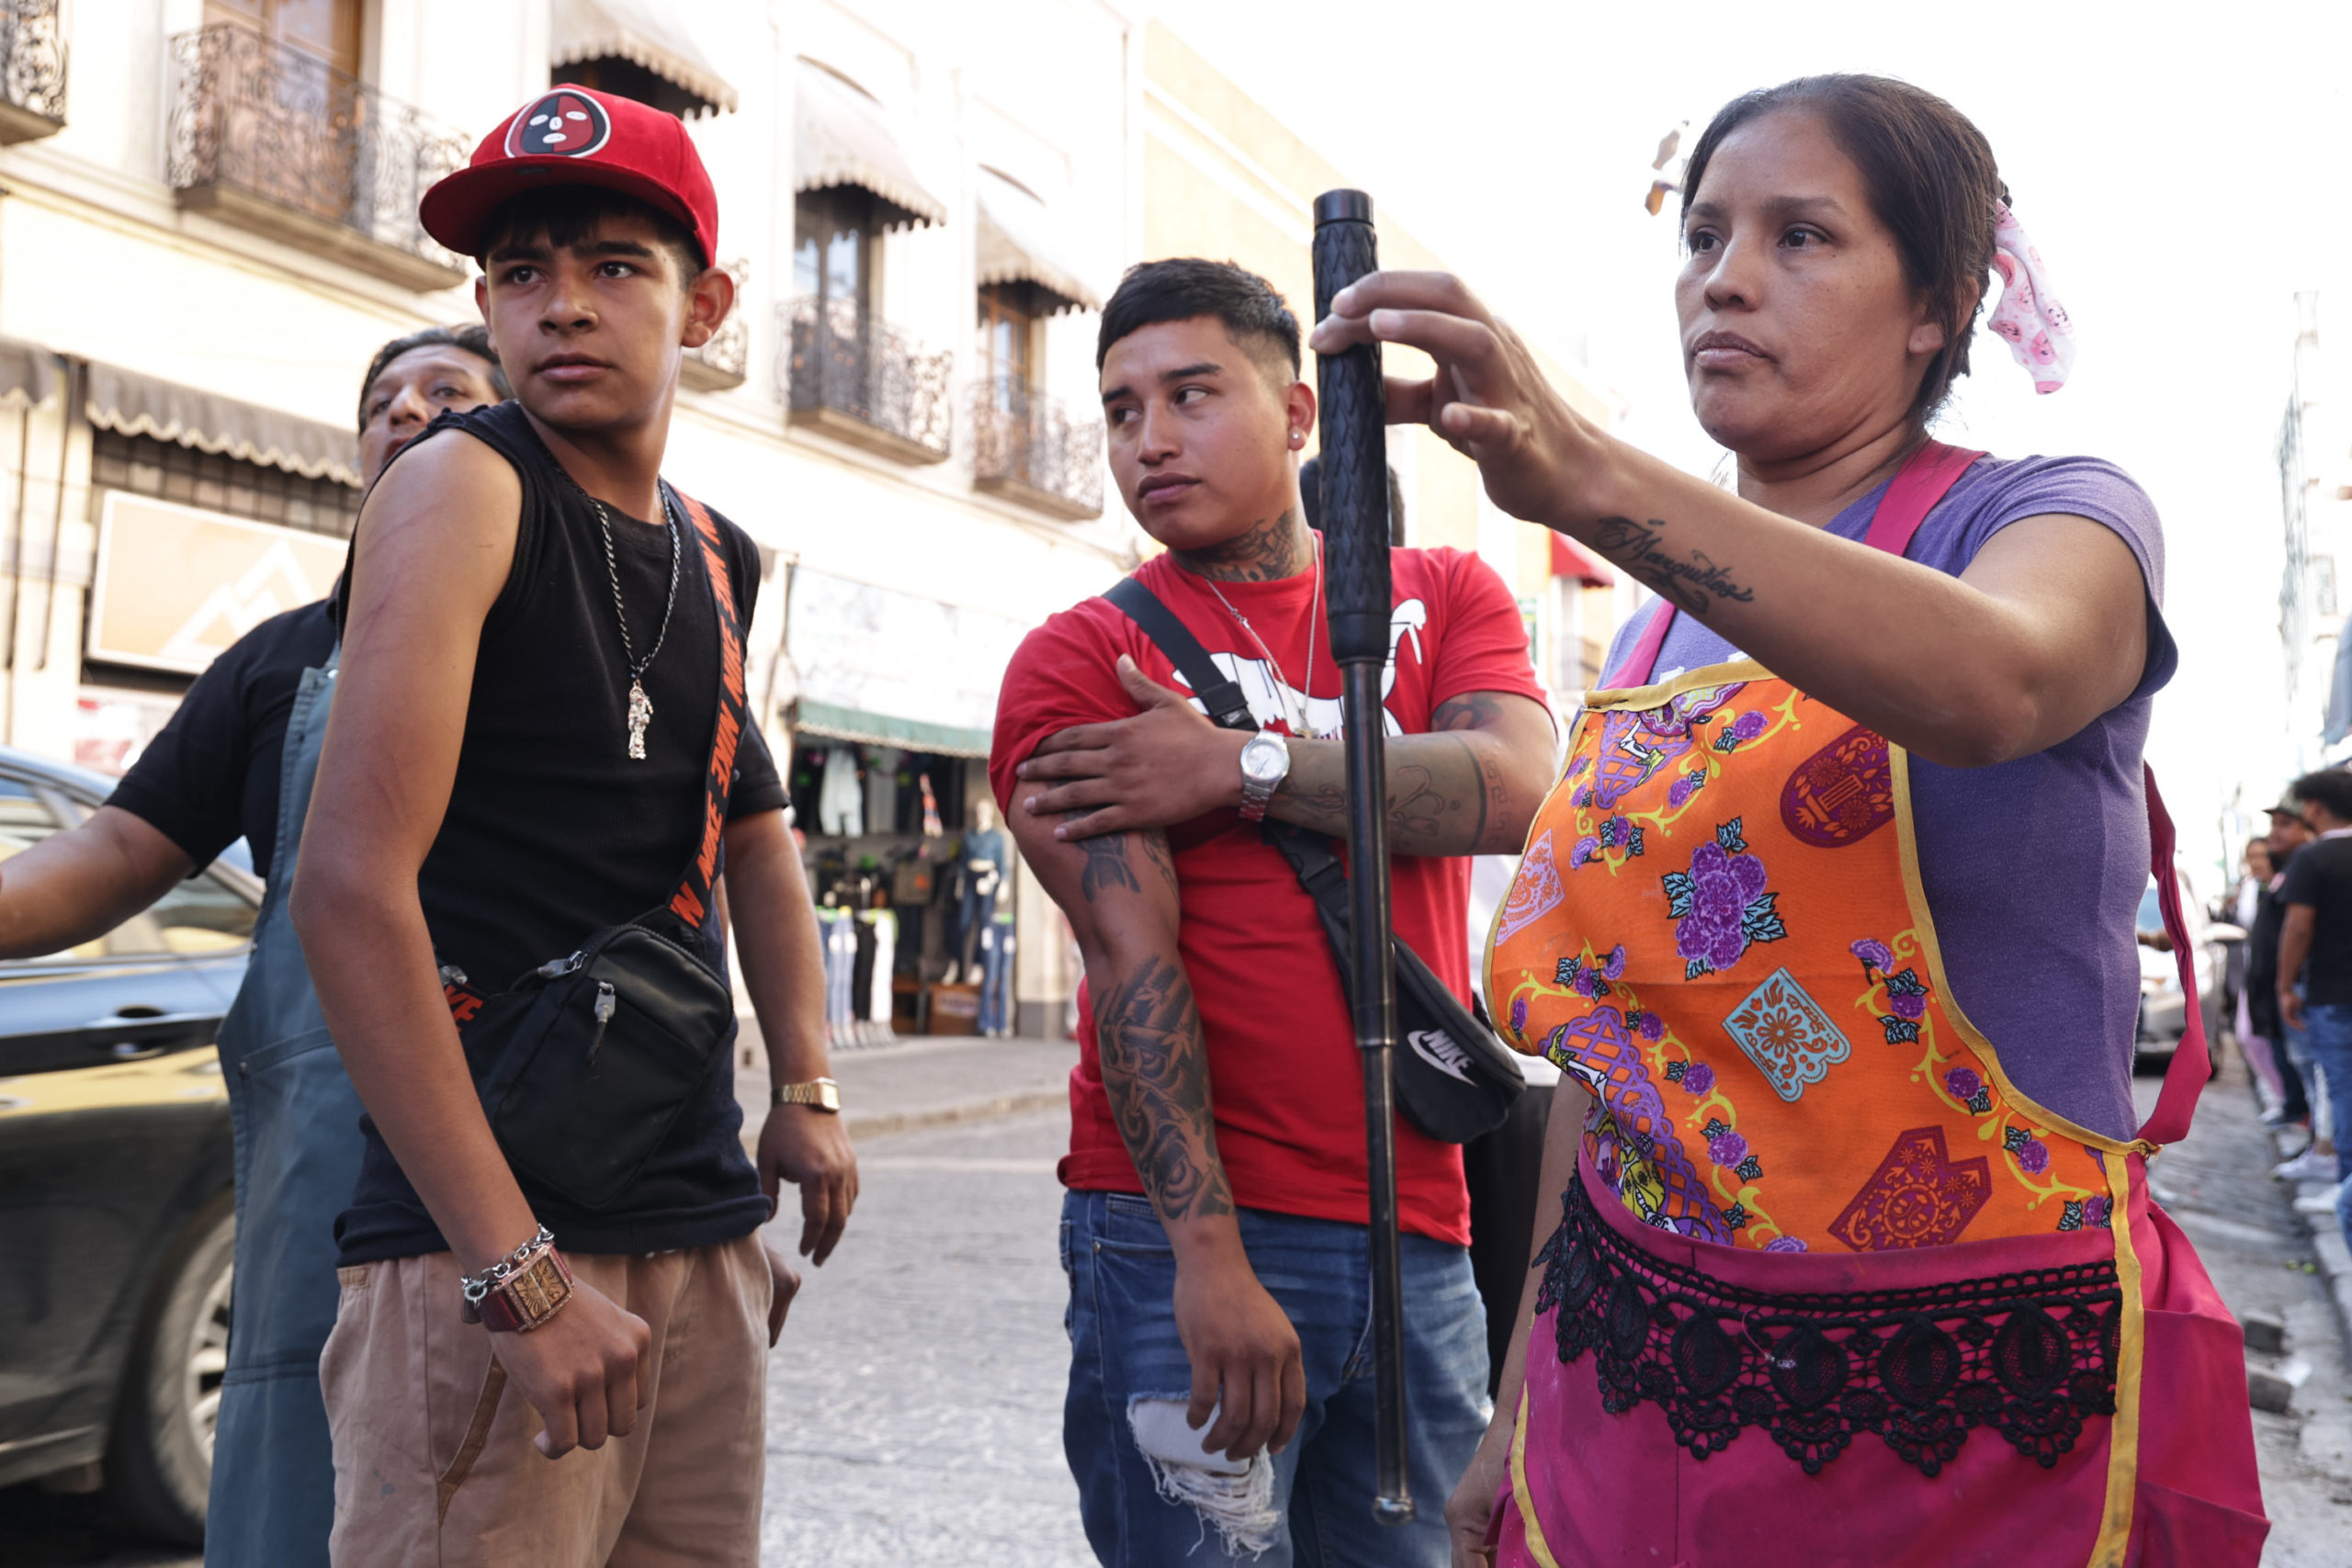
[
  {"x": 637, "y": 668},
  {"x": 1297, "y": 712},
  {"x": 640, "y": 707}
]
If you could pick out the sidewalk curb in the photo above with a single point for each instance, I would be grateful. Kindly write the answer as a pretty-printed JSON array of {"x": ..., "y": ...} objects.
[
  {"x": 2335, "y": 1260},
  {"x": 883, "y": 1124}
]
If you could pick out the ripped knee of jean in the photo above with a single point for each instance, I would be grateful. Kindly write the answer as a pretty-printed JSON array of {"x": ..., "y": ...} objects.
[{"x": 1237, "y": 1497}]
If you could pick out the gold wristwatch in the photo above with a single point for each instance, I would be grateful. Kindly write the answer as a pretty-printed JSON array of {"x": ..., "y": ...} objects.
[{"x": 822, "y": 1093}]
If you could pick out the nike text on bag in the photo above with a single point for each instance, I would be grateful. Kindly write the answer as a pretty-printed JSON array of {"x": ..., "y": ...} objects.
[{"x": 1454, "y": 1081}]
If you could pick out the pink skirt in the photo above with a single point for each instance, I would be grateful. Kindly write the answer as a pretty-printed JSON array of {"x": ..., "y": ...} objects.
[{"x": 1607, "y": 1489}]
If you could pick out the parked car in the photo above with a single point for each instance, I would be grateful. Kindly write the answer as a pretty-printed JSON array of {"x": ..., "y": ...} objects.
[
  {"x": 2163, "y": 1009},
  {"x": 114, "y": 1181}
]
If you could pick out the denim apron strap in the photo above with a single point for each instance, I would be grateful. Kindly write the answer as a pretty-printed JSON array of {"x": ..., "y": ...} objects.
[{"x": 296, "y": 1119}]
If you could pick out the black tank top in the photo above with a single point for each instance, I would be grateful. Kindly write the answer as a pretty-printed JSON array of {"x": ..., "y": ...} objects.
[{"x": 554, "y": 832}]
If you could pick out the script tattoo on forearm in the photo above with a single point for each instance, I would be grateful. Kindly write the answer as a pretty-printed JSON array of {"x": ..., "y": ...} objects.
[
  {"x": 1156, "y": 1068},
  {"x": 1692, "y": 583}
]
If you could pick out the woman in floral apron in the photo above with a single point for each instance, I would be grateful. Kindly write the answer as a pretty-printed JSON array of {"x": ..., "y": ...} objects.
[{"x": 1831, "y": 912}]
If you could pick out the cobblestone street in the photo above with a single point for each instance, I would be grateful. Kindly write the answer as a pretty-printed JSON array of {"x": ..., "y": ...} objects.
[{"x": 914, "y": 1406}]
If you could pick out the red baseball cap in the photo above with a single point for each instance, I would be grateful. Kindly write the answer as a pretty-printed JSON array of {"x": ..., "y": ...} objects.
[{"x": 574, "y": 136}]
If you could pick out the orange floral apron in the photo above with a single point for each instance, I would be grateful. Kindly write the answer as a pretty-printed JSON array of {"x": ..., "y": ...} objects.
[{"x": 1810, "y": 1199}]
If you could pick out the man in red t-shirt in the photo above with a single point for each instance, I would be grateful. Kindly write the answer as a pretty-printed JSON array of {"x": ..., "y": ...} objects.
[{"x": 1215, "y": 1227}]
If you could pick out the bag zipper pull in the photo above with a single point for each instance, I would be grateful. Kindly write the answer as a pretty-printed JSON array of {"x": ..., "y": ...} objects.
[
  {"x": 452, "y": 975},
  {"x": 556, "y": 968},
  {"x": 605, "y": 1004}
]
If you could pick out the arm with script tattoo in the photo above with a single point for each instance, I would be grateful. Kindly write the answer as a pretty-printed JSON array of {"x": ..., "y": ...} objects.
[
  {"x": 2046, "y": 630},
  {"x": 1120, "y": 892}
]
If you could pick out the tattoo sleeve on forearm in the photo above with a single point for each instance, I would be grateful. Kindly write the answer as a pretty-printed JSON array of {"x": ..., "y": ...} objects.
[
  {"x": 1442, "y": 788},
  {"x": 1691, "y": 582},
  {"x": 1155, "y": 1070}
]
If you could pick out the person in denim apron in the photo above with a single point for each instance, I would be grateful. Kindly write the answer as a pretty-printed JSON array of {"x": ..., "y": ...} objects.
[{"x": 206, "y": 779}]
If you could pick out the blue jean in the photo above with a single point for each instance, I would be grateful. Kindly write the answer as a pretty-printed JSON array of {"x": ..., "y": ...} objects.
[
  {"x": 995, "y": 977},
  {"x": 1124, "y": 1348},
  {"x": 2328, "y": 1037}
]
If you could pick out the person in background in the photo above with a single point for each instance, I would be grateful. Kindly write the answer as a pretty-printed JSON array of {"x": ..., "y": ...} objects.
[
  {"x": 236, "y": 762},
  {"x": 2289, "y": 1054},
  {"x": 2315, "y": 942},
  {"x": 2261, "y": 1053}
]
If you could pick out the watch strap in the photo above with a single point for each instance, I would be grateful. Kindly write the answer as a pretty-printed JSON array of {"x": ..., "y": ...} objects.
[
  {"x": 528, "y": 1297},
  {"x": 823, "y": 1093}
]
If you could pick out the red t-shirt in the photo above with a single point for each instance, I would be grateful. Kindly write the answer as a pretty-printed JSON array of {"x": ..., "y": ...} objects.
[{"x": 1284, "y": 1072}]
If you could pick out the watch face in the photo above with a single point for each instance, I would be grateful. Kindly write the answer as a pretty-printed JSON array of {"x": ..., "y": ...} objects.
[{"x": 1266, "y": 759}]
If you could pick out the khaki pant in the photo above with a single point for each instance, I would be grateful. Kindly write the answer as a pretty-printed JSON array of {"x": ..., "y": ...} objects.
[{"x": 433, "y": 1455}]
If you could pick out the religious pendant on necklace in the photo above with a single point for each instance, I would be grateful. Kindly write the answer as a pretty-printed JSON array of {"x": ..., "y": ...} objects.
[{"x": 641, "y": 714}]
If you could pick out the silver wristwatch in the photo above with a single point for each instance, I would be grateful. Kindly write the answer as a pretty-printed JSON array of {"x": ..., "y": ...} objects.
[{"x": 1265, "y": 763}]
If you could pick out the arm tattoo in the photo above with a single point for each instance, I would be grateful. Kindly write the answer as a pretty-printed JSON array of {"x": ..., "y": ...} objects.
[
  {"x": 1107, "y": 867},
  {"x": 1434, "y": 793},
  {"x": 1156, "y": 1068},
  {"x": 1471, "y": 710},
  {"x": 1687, "y": 583}
]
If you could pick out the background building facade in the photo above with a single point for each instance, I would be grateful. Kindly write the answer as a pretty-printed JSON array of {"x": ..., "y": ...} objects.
[{"x": 208, "y": 225}]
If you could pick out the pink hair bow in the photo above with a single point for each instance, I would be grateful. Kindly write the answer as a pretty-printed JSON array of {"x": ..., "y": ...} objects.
[{"x": 2040, "y": 333}]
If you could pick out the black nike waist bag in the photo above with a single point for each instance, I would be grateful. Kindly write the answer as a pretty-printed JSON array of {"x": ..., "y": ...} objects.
[{"x": 589, "y": 1061}]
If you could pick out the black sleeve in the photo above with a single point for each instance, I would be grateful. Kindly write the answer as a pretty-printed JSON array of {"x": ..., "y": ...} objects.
[
  {"x": 756, "y": 787},
  {"x": 189, "y": 784},
  {"x": 2301, "y": 886}
]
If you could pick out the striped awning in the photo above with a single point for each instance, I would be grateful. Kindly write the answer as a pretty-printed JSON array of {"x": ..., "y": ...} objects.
[
  {"x": 642, "y": 33},
  {"x": 28, "y": 375},
  {"x": 135, "y": 404},
  {"x": 1015, "y": 242},
  {"x": 841, "y": 138}
]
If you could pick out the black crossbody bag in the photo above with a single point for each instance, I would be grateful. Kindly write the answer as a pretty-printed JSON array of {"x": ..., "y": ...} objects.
[
  {"x": 1454, "y": 1081},
  {"x": 592, "y": 1056}
]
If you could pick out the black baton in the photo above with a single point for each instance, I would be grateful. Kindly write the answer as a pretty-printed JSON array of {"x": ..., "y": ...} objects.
[{"x": 1355, "y": 552}]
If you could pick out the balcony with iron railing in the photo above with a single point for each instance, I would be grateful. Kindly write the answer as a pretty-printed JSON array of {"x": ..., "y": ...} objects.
[
  {"x": 726, "y": 360},
  {"x": 1026, "y": 448},
  {"x": 32, "y": 70},
  {"x": 278, "y": 141},
  {"x": 863, "y": 381}
]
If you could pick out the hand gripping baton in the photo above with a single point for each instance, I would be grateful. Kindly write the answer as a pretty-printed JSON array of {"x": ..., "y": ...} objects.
[{"x": 1355, "y": 553}]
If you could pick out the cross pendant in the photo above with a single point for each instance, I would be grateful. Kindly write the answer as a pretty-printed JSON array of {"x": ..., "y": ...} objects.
[{"x": 641, "y": 714}]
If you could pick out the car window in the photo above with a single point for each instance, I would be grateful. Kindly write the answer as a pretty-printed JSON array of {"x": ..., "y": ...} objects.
[
  {"x": 202, "y": 915},
  {"x": 25, "y": 821}
]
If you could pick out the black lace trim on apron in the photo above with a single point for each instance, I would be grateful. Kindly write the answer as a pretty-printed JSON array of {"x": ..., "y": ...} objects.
[{"x": 2031, "y": 1355}]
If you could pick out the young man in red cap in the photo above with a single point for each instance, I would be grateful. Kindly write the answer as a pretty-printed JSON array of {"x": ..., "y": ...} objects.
[{"x": 540, "y": 696}]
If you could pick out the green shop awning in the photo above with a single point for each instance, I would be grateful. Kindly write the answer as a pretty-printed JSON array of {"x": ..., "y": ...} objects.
[{"x": 832, "y": 723}]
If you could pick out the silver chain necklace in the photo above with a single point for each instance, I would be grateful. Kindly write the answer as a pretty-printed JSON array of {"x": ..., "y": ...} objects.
[
  {"x": 640, "y": 707},
  {"x": 1295, "y": 713}
]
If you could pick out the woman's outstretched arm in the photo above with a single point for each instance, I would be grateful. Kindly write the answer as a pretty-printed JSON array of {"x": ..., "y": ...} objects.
[{"x": 2046, "y": 630}]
